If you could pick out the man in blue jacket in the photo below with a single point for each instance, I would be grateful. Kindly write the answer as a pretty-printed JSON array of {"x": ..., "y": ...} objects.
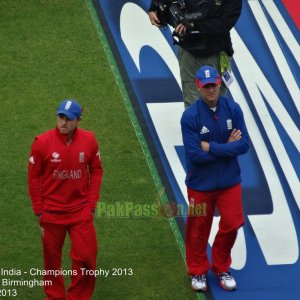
[{"x": 214, "y": 134}]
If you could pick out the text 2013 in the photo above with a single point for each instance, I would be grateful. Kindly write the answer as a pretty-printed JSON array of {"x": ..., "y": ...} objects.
[
  {"x": 8, "y": 293},
  {"x": 122, "y": 272}
]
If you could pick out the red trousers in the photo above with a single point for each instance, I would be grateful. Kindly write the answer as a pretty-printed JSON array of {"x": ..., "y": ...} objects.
[
  {"x": 202, "y": 206},
  {"x": 80, "y": 227}
]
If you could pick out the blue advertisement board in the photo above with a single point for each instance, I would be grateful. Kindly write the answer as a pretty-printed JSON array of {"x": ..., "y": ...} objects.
[{"x": 266, "y": 71}]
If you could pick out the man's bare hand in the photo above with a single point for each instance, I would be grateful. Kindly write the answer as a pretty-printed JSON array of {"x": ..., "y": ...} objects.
[
  {"x": 180, "y": 29},
  {"x": 154, "y": 19},
  {"x": 205, "y": 146},
  {"x": 235, "y": 135}
]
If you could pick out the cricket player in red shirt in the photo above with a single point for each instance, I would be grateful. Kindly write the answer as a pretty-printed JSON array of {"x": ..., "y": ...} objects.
[{"x": 64, "y": 179}]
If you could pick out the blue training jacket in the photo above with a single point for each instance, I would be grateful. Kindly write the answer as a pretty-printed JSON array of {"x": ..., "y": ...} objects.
[{"x": 218, "y": 168}]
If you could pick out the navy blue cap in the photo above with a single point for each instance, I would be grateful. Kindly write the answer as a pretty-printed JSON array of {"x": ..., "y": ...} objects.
[
  {"x": 69, "y": 108},
  {"x": 206, "y": 75}
]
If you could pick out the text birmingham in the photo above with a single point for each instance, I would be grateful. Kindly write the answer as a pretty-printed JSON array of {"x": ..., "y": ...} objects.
[{"x": 24, "y": 282}]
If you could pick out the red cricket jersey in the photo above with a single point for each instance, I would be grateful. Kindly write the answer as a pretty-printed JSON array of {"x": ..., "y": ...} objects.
[{"x": 62, "y": 177}]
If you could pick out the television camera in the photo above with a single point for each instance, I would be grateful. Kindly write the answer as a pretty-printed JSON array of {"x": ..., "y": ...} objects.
[{"x": 174, "y": 12}]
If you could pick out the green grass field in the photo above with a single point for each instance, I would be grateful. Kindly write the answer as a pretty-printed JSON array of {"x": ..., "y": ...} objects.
[{"x": 50, "y": 50}]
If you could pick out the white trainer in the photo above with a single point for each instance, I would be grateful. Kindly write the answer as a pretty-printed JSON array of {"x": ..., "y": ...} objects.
[
  {"x": 199, "y": 283},
  {"x": 227, "y": 281}
]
